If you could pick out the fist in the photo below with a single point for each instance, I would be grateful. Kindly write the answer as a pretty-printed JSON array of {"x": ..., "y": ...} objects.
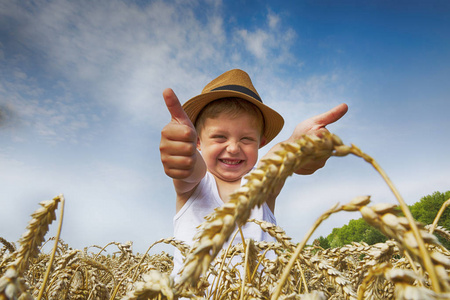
[{"x": 178, "y": 146}]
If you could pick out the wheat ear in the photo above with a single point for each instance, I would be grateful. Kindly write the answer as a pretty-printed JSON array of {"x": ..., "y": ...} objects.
[
  {"x": 52, "y": 256},
  {"x": 415, "y": 234},
  {"x": 351, "y": 206},
  {"x": 36, "y": 230},
  {"x": 155, "y": 286},
  {"x": 9, "y": 246},
  {"x": 10, "y": 283},
  {"x": 261, "y": 182}
]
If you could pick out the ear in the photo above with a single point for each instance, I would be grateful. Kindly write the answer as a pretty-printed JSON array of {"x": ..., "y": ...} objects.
[
  {"x": 262, "y": 142},
  {"x": 198, "y": 144}
]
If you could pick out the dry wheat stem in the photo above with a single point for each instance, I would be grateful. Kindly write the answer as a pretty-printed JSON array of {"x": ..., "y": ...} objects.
[
  {"x": 423, "y": 251},
  {"x": 438, "y": 216},
  {"x": 412, "y": 264},
  {"x": 442, "y": 231},
  {"x": 376, "y": 270},
  {"x": 260, "y": 260},
  {"x": 275, "y": 231},
  {"x": 261, "y": 182},
  {"x": 302, "y": 274},
  {"x": 300, "y": 247},
  {"x": 52, "y": 256},
  {"x": 29, "y": 247},
  {"x": 116, "y": 289},
  {"x": 155, "y": 284},
  {"x": 222, "y": 264},
  {"x": 103, "y": 249},
  {"x": 247, "y": 247},
  {"x": 353, "y": 205},
  {"x": 387, "y": 270},
  {"x": 381, "y": 216},
  {"x": 146, "y": 252},
  {"x": 36, "y": 230}
]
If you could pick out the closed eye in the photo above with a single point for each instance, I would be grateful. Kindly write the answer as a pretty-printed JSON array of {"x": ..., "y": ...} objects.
[
  {"x": 219, "y": 137},
  {"x": 248, "y": 139}
]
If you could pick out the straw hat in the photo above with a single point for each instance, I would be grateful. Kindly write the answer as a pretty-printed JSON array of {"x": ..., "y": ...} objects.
[{"x": 235, "y": 83}]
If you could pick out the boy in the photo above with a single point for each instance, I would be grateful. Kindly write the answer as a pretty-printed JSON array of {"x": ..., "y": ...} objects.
[{"x": 227, "y": 123}]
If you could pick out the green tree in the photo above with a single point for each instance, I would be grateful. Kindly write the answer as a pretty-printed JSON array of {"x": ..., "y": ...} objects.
[
  {"x": 423, "y": 211},
  {"x": 372, "y": 236},
  {"x": 355, "y": 231},
  {"x": 428, "y": 207},
  {"x": 322, "y": 242}
]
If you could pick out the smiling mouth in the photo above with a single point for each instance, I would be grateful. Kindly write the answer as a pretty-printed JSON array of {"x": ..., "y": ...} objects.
[{"x": 231, "y": 161}]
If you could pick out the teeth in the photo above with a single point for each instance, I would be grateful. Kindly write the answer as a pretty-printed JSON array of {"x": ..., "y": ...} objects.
[{"x": 231, "y": 162}]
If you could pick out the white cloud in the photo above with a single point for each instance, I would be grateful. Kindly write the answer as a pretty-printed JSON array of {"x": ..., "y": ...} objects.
[
  {"x": 269, "y": 44},
  {"x": 120, "y": 56},
  {"x": 91, "y": 70},
  {"x": 123, "y": 54},
  {"x": 255, "y": 42},
  {"x": 54, "y": 117},
  {"x": 273, "y": 19}
]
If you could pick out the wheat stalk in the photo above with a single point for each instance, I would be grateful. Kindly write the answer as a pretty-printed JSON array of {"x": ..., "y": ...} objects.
[
  {"x": 10, "y": 284},
  {"x": 275, "y": 231},
  {"x": 36, "y": 230},
  {"x": 424, "y": 255},
  {"x": 9, "y": 246},
  {"x": 383, "y": 217},
  {"x": 55, "y": 247},
  {"x": 155, "y": 284},
  {"x": 260, "y": 183},
  {"x": 352, "y": 206},
  {"x": 394, "y": 269},
  {"x": 439, "y": 214}
]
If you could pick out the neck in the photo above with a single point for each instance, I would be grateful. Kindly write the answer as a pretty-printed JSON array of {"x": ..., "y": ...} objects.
[{"x": 226, "y": 188}]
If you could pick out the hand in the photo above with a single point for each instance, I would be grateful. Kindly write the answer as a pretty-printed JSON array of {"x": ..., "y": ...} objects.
[
  {"x": 178, "y": 140},
  {"x": 316, "y": 126}
]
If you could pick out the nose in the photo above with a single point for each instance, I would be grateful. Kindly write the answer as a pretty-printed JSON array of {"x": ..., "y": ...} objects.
[{"x": 233, "y": 147}]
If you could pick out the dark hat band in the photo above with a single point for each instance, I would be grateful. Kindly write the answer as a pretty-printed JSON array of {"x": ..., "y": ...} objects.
[{"x": 240, "y": 89}]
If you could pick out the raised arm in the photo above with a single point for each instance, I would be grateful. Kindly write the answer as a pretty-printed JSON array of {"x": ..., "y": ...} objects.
[
  {"x": 312, "y": 126},
  {"x": 179, "y": 155}
]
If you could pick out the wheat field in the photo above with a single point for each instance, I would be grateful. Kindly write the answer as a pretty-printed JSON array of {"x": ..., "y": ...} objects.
[{"x": 410, "y": 265}]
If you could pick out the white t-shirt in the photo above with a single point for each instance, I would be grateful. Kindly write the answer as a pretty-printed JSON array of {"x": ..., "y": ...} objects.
[{"x": 203, "y": 202}]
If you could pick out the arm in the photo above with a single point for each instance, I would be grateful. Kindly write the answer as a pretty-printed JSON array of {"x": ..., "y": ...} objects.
[
  {"x": 179, "y": 155},
  {"x": 312, "y": 126}
]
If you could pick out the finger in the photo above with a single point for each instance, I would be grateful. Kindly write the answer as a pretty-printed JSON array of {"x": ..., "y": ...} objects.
[
  {"x": 177, "y": 173},
  {"x": 331, "y": 116},
  {"x": 177, "y": 148},
  {"x": 178, "y": 167},
  {"x": 178, "y": 132},
  {"x": 175, "y": 109},
  {"x": 312, "y": 166},
  {"x": 180, "y": 162}
]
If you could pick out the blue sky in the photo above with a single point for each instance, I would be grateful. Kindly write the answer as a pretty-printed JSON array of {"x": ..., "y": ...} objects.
[{"x": 81, "y": 105}]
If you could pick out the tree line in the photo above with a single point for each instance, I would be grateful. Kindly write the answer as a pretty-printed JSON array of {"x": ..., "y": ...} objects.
[{"x": 358, "y": 230}]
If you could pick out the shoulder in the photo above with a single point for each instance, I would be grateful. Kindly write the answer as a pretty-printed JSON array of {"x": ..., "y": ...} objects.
[{"x": 202, "y": 187}]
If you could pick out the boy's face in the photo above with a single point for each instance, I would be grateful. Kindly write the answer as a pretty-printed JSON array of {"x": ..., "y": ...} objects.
[{"x": 229, "y": 145}]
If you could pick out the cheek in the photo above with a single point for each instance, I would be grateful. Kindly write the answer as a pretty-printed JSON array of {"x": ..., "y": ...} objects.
[
  {"x": 252, "y": 153},
  {"x": 211, "y": 151}
]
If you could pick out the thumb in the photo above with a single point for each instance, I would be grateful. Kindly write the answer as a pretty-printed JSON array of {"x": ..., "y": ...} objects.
[
  {"x": 175, "y": 109},
  {"x": 331, "y": 116}
]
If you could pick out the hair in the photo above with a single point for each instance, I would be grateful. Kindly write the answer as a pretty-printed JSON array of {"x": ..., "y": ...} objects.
[{"x": 232, "y": 106}]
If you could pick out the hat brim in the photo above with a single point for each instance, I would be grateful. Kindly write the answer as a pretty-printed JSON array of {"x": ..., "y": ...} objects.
[{"x": 273, "y": 121}]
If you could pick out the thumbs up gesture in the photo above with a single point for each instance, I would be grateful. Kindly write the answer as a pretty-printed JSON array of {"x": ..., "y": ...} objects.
[{"x": 178, "y": 144}]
